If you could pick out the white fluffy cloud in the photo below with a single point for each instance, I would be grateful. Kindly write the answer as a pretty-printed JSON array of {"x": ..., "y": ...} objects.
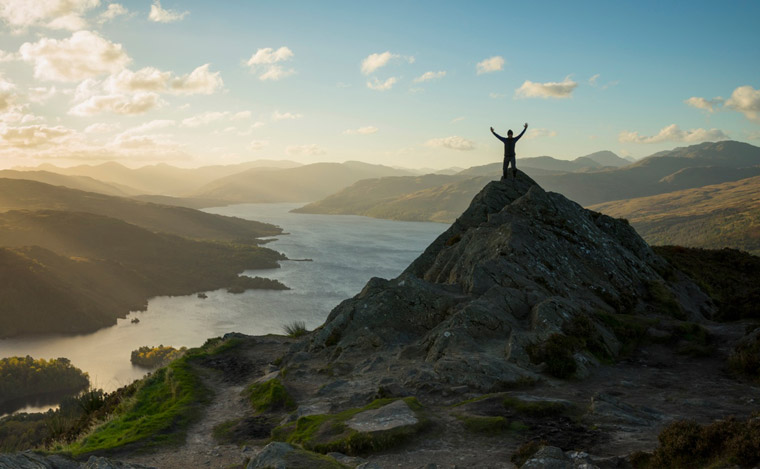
[
  {"x": 160, "y": 15},
  {"x": 305, "y": 150},
  {"x": 84, "y": 55},
  {"x": 33, "y": 136},
  {"x": 204, "y": 119},
  {"x": 139, "y": 103},
  {"x": 559, "y": 90},
  {"x": 746, "y": 100},
  {"x": 53, "y": 14},
  {"x": 257, "y": 145},
  {"x": 370, "y": 129},
  {"x": 452, "y": 143},
  {"x": 113, "y": 10},
  {"x": 673, "y": 133},
  {"x": 372, "y": 62},
  {"x": 539, "y": 133},
  {"x": 378, "y": 85},
  {"x": 708, "y": 105},
  {"x": 199, "y": 81},
  {"x": 491, "y": 64},
  {"x": 267, "y": 62},
  {"x": 427, "y": 76},
  {"x": 281, "y": 116},
  {"x": 101, "y": 128}
]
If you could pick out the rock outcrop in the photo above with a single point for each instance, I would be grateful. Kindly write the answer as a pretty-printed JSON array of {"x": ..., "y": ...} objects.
[{"x": 521, "y": 274}]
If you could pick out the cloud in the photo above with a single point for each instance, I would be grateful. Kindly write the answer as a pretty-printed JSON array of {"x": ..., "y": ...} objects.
[
  {"x": 84, "y": 55},
  {"x": 101, "y": 128},
  {"x": 33, "y": 136},
  {"x": 492, "y": 64},
  {"x": 53, "y": 14},
  {"x": 673, "y": 133},
  {"x": 746, "y": 100},
  {"x": 539, "y": 133},
  {"x": 280, "y": 116},
  {"x": 457, "y": 119},
  {"x": 204, "y": 119},
  {"x": 241, "y": 115},
  {"x": 563, "y": 89},
  {"x": 377, "y": 85},
  {"x": 374, "y": 61},
  {"x": 305, "y": 150},
  {"x": 7, "y": 93},
  {"x": 7, "y": 56},
  {"x": 370, "y": 129},
  {"x": 497, "y": 95},
  {"x": 257, "y": 145},
  {"x": 113, "y": 10},
  {"x": 40, "y": 94},
  {"x": 452, "y": 143},
  {"x": 430, "y": 76},
  {"x": 592, "y": 80},
  {"x": 267, "y": 62},
  {"x": 708, "y": 105},
  {"x": 159, "y": 15},
  {"x": 138, "y": 103},
  {"x": 149, "y": 127},
  {"x": 199, "y": 81}
]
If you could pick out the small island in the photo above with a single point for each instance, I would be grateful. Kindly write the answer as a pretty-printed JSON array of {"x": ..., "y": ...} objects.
[
  {"x": 154, "y": 357},
  {"x": 24, "y": 380},
  {"x": 243, "y": 283}
]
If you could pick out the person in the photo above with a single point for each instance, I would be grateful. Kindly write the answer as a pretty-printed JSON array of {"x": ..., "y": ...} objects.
[{"x": 509, "y": 150}]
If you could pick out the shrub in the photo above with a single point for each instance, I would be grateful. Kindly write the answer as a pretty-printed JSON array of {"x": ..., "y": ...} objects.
[
  {"x": 295, "y": 329},
  {"x": 557, "y": 354},
  {"x": 270, "y": 395}
]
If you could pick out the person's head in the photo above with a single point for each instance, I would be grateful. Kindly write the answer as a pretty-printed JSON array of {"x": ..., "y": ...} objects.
[{"x": 509, "y": 133}]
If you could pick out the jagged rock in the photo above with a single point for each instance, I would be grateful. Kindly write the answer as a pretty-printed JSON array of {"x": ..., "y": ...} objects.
[
  {"x": 519, "y": 266},
  {"x": 30, "y": 460},
  {"x": 278, "y": 455},
  {"x": 549, "y": 457},
  {"x": 395, "y": 415},
  {"x": 609, "y": 409}
]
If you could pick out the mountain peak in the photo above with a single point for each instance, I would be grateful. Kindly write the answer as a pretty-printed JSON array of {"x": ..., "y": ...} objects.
[{"x": 519, "y": 268}]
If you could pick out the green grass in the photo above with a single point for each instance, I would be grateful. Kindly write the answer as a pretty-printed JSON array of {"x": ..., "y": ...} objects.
[
  {"x": 295, "y": 329},
  {"x": 161, "y": 410},
  {"x": 484, "y": 424},
  {"x": 326, "y": 433},
  {"x": 535, "y": 408},
  {"x": 270, "y": 395}
]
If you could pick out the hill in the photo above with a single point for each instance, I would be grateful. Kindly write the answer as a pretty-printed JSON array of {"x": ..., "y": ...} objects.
[
  {"x": 70, "y": 272},
  {"x": 436, "y": 198},
  {"x": 82, "y": 183},
  {"x": 584, "y": 182},
  {"x": 715, "y": 216},
  {"x": 162, "y": 179},
  {"x": 30, "y": 195},
  {"x": 304, "y": 183}
]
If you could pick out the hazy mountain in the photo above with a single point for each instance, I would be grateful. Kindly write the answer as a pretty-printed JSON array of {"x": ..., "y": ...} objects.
[
  {"x": 607, "y": 158},
  {"x": 304, "y": 183},
  {"x": 424, "y": 198},
  {"x": 162, "y": 178},
  {"x": 650, "y": 176},
  {"x": 31, "y": 195},
  {"x": 589, "y": 183},
  {"x": 716, "y": 216},
  {"x": 76, "y": 272},
  {"x": 83, "y": 183}
]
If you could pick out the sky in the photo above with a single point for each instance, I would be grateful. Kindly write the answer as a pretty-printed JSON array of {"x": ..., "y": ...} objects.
[{"x": 415, "y": 84}]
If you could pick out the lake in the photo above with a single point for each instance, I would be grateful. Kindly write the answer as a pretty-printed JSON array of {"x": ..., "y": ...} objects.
[{"x": 346, "y": 251}]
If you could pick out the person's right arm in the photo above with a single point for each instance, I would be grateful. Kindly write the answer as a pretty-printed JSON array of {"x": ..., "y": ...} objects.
[{"x": 497, "y": 135}]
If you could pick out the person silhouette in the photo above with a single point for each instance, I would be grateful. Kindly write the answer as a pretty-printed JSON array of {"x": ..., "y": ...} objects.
[{"x": 509, "y": 150}]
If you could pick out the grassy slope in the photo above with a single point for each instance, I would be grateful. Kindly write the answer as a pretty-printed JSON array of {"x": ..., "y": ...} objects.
[
  {"x": 30, "y": 195},
  {"x": 84, "y": 270},
  {"x": 721, "y": 215},
  {"x": 82, "y": 183}
]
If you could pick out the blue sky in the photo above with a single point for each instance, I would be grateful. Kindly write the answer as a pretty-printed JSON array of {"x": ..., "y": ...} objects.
[{"x": 413, "y": 84}]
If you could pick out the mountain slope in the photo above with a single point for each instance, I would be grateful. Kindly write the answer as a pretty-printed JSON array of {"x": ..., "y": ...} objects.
[
  {"x": 82, "y": 183},
  {"x": 715, "y": 216},
  {"x": 304, "y": 183},
  {"x": 76, "y": 272},
  {"x": 30, "y": 195},
  {"x": 164, "y": 179}
]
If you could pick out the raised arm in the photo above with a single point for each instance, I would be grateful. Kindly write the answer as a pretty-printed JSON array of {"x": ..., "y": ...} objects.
[
  {"x": 521, "y": 133},
  {"x": 497, "y": 135}
]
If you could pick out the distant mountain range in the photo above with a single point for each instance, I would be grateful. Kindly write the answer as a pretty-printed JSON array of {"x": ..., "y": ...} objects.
[{"x": 583, "y": 180}]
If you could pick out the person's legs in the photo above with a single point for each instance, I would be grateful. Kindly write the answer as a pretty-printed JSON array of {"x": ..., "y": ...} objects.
[
  {"x": 505, "y": 167},
  {"x": 514, "y": 167}
]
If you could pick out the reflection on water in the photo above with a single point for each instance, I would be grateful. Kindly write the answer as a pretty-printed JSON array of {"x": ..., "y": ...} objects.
[{"x": 346, "y": 252}]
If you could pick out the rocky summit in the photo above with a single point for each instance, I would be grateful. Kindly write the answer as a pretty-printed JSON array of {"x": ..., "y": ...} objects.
[{"x": 506, "y": 294}]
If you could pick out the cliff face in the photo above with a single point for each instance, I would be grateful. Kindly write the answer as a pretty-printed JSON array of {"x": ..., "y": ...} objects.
[{"x": 519, "y": 270}]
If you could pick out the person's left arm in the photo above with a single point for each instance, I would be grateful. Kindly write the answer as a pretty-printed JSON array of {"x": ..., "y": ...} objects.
[{"x": 521, "y": 133}]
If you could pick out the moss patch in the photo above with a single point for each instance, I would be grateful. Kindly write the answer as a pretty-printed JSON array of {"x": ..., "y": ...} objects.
[
  {"x": 326, "y": 433},
  {"x": 535, "y": 408},
  {"x": 485, "y": 425},
  {"x": 269, "y": 396}
]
